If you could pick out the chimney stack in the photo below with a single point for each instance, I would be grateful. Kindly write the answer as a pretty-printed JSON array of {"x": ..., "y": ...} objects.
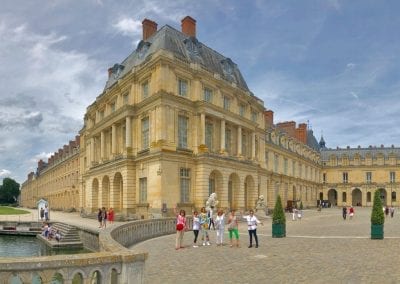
[
  {"x": 189, "y": 26},
  {"x": 149, "y": 28}
]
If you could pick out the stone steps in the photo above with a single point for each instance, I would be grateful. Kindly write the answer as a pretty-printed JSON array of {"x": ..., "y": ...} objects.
[{"x": 69, "y": 237}]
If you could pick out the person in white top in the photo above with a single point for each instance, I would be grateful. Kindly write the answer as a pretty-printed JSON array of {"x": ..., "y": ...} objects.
[
  {"x": 196, "y": 227},
  {"x": 220, "y": 226},
  {"x": 252, "y": 223}
]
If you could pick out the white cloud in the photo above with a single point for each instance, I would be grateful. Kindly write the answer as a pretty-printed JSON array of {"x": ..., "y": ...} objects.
[
  {"x": 129, "y": 27},
  {"x": 4, "y": 173}
]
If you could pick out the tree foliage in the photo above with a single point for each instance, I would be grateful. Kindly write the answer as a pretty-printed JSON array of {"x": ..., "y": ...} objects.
[
  {"x": 377, "y": 216},
  {"x": 278, "y": 217},
  {"x": 9, "y": 191}
]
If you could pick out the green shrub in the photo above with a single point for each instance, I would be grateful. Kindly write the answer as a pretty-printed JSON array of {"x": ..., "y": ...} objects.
[
  {"x": 377, "y": 216},
  {"x": 278, "y": 217},
  {"x": 301, "y": 205}
]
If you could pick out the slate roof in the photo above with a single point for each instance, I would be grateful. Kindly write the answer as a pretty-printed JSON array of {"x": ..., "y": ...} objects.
[
  {"x": 350, "y": 152},
  {"x": 186, "y": 48},
  {"x": 312, "y": 141}
]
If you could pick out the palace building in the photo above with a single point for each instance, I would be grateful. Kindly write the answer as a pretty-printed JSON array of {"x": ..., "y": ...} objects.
[{"x": 176, "y": 122}]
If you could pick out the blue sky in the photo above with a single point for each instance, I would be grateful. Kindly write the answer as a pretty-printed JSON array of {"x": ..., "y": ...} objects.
[{"x": 332, "y": 63}]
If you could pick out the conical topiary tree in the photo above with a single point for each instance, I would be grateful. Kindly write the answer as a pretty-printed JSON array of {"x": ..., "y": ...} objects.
[
  {"x": 377, "y": 217},
  {"x": 278, "y": 217},
  {"x": 278, "y": 220}
]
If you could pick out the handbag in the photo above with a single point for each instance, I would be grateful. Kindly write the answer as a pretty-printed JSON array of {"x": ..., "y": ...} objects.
[{"x": 179, "y": 227}]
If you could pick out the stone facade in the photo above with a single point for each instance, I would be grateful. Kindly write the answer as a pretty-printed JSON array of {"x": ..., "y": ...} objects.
[{"x": 176, "y": 122}]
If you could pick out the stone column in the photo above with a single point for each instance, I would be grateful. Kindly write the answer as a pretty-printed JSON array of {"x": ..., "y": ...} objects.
[
  {"x": 202, "y": 129},
  {"x": 253, "y": 145},
  {"x": 239, "y": 141},
  {"x": 91, "y": 150},
  {"x": 222, "y": 136},
  {"x": 113, "y": 139},
  {"x": 102, "y": 141},
  {"x": 128, "y": 132}
]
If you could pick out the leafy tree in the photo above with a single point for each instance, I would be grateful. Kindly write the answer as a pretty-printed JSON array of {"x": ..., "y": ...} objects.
[
  {"x": 377, "y": 216},
  {"x": 278, "y": 216},
  {"x": 9, "y": 191}
]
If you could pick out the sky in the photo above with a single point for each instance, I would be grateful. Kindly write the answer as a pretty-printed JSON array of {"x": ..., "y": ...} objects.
[{"x": 334, "y": 64}]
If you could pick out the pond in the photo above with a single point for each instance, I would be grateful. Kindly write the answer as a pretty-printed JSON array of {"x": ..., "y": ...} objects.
[{"x": 15, "y": 246}]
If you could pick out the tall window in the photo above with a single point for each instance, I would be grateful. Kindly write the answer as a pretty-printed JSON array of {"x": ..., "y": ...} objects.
[
  {"x": 143, "y": 190},
  {"x": 112, "y": 107},
  {"x": 185, "y": 184},
  {"x": 182, "y": 87},
  {"x": 285, "y": 166},
  {"x": 266, "y": 159},
  {"x": 227, "y": 102},
  {"x": 208, "y": 94},
  {"x": 209, "y": 136},
  {"x": 228, "y": 140},
  {"x": 253, "y": 116},
  {"x": 392, "y": 177},
  {"x": 145, "y": 89},
  {"x": 242, "y": 109},
  {"x": 101, "y": 114},
  {"x": 368, "y": 177},
  {"x": 324, "y": 177},
  {"x": 211, "y": 185},
  {"x": 276, "y": 163},
  {"x": 125, "y": 99},
  {"x": 345, "y": 177},
  {"x": 293, "y": 168},
  {"x": 182, "y": 131},
  {"x": 145, "y": 133}
]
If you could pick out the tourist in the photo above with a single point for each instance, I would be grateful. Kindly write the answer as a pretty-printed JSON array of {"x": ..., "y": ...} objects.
[
  {"x": 299, "y": 214},
  {"x": 220, "y": 226},
  {"x": 344, "y": 212},
  {"x": 391, "y": 211},
  {"x": 180, "y": 228},
  {"x": 46, "y": 213},
  {"x": 211, "y": 218},
  {"x": 99, "y": 218},
  {"x": 58, "y": 236},
  {"x": 196, "y": 228},
  {"x": 41, "y": 213},
  {"x": 294, "y": 213},
  {"x": 110, "y": 215},
  {"x": 204, "y": 226},
  {"x": 104, "y": 217},
  {"x": 386, "y": 211},
  {"x": 252, "y": 223},
  {"x": 351, "y": 212},
  {"x": 45, "y": 230},
  {"x": 233, "y": 228}
]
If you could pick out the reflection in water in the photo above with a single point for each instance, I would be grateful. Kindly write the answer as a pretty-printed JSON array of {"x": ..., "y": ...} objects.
[{"x": 12, "y": 246}]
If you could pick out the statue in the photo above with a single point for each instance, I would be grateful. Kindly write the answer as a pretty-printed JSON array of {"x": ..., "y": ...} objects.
[
  {"x": 260, "y": 204},
  {"x": 212, "y": 201}
]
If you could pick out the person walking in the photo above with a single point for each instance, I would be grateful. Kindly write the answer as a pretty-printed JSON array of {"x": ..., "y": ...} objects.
[
  {"x": 233, "y": 228},
  {"x": 344, "y": 212},
  {"x": 110, "y": 215},
  {"x": 41, "y": 213},
  {"x": 46, "y": 213},
  {"x": 104, "y": 217},
  {"x": 210, "y": 215},
  {"x": 351, "y": 212},
  {"x": 252, "y": 223},
  {"x": 196, "y": 228},
  {"x": 180, "y": 228},
  {"x": 99, "y": 218},
  {"x": 391, "y": 211},
  {"x": 220, "y": 227}
]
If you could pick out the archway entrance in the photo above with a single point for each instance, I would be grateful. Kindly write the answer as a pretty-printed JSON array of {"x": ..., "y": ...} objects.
[
  {"x": 233, "y": 188},
  {"x": 332, "y": 197},
  {"x": 356, "y": 197}
]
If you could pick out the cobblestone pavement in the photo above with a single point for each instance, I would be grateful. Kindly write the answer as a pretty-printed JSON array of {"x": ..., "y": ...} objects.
[{"x": 321, "y": 248}]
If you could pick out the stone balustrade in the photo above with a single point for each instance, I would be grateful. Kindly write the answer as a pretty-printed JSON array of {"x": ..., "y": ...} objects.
[{"x": 113, "y": 264}]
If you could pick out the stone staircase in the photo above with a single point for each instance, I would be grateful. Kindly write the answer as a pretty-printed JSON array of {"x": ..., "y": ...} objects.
[{"x": 69, "y": 237}]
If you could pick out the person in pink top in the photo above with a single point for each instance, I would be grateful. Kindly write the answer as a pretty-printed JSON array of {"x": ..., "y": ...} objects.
[
  {"x": 180, "y": 228},
  {"x": 351, "y": 212}
]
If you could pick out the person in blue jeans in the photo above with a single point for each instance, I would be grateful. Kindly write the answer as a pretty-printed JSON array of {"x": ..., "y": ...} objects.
[{"x": 252, "y": 223}]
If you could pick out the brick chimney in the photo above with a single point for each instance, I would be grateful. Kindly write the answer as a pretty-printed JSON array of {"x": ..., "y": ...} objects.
[
  {"x": 289, "y": 127},
  {"x": 149, "y": 28},
  {"x": 189, "y": 26},
  {"x": 269, "y": 117},
  {"x": 301, "y": 133}
]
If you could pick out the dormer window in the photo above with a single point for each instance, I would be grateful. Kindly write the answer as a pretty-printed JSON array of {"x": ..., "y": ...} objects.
[
  {"x": 208, "y": 94},
  {"x": 182, "y": 87}
]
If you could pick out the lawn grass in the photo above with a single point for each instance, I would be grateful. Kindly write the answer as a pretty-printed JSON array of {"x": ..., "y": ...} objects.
[{"x": 12, "y": 211}]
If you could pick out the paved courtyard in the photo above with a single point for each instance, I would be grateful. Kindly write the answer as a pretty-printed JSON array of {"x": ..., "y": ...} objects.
[{"x": 321, "y": 248}]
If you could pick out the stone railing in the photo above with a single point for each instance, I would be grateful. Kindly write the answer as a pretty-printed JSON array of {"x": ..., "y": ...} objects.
[
  {"x": 137, "y": 231},
  {"x": 113, "y": 264}
]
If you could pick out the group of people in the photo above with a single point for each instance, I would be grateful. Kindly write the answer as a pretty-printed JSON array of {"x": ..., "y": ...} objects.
[
  {"x": 204, "y": 221},
  {"x": 388, "y": 210},
  {"x": 297, "y": 214},
  {"x": 350, "y": 212},
  {"x": 44, "y": 213},
  {"x": 104, "y": 216},
  {"x": 50, "y": 233}
]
